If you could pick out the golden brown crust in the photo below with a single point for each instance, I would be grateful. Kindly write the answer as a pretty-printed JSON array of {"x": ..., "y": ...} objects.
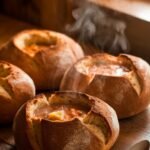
[
  {"x": 45, "y": 55},
  {"x": 127, "y": 92},
  {"x": 20, "y": 130},
  {"x": 16, "y": 87},
  {"x": 98, "y": 130},
  {"x": 143, "y": 71}
]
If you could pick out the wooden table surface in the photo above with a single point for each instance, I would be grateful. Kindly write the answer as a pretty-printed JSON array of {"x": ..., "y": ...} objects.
[{"x": 132, "y": 130}]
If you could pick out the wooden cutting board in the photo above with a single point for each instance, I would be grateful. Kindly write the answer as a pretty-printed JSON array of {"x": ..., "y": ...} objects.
[{"x": 133, "y": 130}]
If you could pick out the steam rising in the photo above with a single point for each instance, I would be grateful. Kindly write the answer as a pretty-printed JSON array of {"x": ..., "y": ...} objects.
[{"x": 94, "y": 26}]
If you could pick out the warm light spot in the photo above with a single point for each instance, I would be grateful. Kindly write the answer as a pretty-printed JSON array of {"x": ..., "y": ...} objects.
[
  {"x": 136, "y": 8},
  {"x": 56, "y": 115}
]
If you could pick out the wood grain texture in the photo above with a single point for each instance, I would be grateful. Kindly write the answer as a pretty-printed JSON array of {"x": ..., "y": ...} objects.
[
  {"x": 131, "y": 11},
  {"x": 132, "y": 131},
  {"x": 9, "y": 27},
  {"x": 52, "y": 14}
]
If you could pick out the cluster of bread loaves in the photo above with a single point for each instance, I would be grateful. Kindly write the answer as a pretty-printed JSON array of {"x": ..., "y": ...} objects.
[{"x": 92, "y": 92}]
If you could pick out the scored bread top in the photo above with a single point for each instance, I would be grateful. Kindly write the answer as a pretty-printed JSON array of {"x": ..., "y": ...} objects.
[
  {"x": 11, "y": 78},
  {"x": 108, "y": 65},
  {"x": 122, "y": 81},
  {"x": 44, "y": 55},
  {"x": 91, "y": 113},
  {"x": 33, "y": 41}
]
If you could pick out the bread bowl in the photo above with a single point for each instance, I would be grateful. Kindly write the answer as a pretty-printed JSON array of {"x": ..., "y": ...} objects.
[
  {"x": 16, "y": 87},
  {"x": 122, "y": 81},
  {"x": 65, "y": 121},
  {"x": 44, "y": 55}
]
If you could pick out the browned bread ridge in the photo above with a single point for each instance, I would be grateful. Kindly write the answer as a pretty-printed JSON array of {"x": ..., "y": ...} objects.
[
  {"x": 65, "y": 121},
  {"x": 16, "y": 87},
  {"x": 122, "y": 81},
  {"x": 44, "y": 55}
]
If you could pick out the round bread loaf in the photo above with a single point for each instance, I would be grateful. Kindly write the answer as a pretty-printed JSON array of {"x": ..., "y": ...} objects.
[
  {"x": 16, "y": 87},
  {"x": 43, "y": 54},
  {"x": 65, "y": 121},
  {"x": 122, "y": 81}
]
